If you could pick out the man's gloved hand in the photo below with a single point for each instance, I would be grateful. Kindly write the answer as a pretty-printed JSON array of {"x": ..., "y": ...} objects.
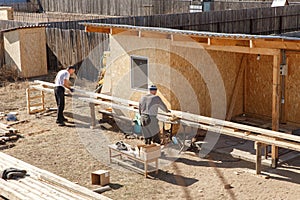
[{"x": 72, "y": 89}]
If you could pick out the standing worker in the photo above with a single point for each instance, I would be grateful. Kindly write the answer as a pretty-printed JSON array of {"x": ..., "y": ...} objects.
[
  {"x": 62, "y": 82},
  {"x": 148, "y": 108}
]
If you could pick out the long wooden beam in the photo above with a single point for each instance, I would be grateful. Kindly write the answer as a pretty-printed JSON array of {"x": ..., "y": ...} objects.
[
  {"x": 188, "y": 116},
  {"x": 183, "y": 115},
  {"x": 276, "y": 44},
  {"x": 240, "y": 49},
  {"x": 254, "y": 136}
]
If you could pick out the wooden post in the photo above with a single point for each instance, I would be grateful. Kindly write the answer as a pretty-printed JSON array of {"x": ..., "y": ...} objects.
[
  {"x": 245, "y": 87},
  {"x": 43, "y": 99},
  {"x": 275, "y": 104},
  {"x": 283, "y": 117},
  {"x": 28, "y": 100},
  {"x": 258, "y": 147},
  {"x": 93, "y": 116}
]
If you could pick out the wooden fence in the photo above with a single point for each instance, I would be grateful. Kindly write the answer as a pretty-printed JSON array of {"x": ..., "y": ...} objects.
[
  {"x": 2, "y": 52},
  {"x": 75, "y": 47},
  {"x": 249, "y": 21},
  {"x": 53, "y": 17},
  {"x": 115, "y": 7}
]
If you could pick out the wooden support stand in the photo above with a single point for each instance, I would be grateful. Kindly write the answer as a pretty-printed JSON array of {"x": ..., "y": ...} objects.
[
  {"x": 93, "y": 116},
  {"x": 118, "y": 156},
  {"x": 258, "y": 147},
  {"x": 33, "y": 108}
]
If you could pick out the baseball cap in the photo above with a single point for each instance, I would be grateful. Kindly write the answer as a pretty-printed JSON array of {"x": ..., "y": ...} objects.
[{"x": 153, "y": 87}]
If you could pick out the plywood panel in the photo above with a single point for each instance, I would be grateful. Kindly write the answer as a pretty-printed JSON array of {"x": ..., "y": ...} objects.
[
  {"x": 189, "y": 78},
  {"x": 259, "y": 85},
  {"x": 33, "y": 52},
  {"x": 229, "y": 65},
  {"x": 292, "y": 88},
  {"x": 197, "y": 100}
]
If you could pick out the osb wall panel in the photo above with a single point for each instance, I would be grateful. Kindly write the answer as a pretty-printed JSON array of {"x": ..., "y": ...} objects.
[
  {"x": 189, "y": 78},
  {"x": 292, "y": 98},
  {"x": 229, "y": 65},
  {"x": 197, "y": 100},
  {"x": 259, "y": 75},
  {"x": 117, "y": 79},
  {"x": 33, "y": 52}
]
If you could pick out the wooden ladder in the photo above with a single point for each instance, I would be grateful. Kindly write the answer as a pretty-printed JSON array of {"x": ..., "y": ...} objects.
[{"x": 33, "y": 107}]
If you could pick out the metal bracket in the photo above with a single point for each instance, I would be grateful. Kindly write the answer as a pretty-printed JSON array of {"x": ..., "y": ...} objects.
[{"x": 283, "y": 69}]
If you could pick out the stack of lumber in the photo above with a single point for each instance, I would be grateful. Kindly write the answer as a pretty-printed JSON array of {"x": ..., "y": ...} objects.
[
  {"x": 7, "y": 133},
  {"x": 40, "y": 184}
]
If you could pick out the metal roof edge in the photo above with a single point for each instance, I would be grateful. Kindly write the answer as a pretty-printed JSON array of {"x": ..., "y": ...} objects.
[
  {"x": 189, "y": 32},
  {"x": 24, "y": 27}
]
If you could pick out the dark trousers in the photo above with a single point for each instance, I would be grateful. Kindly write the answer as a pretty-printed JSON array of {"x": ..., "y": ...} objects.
[
  {"x": 60, "y": 101},
  {"x": 154, "y": 139},
  {"x": 150, "y": 129}
]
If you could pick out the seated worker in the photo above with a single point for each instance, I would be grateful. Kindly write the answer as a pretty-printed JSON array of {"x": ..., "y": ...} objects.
[
  {"x": 148, "y": 108},
  {"x": 101, "y": 81}
]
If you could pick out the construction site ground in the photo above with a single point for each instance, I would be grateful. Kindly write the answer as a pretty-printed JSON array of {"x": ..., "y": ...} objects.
[{"x": 60, "y": 150}]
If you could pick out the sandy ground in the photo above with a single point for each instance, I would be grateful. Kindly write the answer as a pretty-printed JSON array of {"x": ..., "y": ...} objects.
[{"x": 69, "y": 152}]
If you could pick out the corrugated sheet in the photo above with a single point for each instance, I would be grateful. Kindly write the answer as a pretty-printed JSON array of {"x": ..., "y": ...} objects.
[
  {"x": 195, "y": 33},
  {"x": 24, "y": 27}
]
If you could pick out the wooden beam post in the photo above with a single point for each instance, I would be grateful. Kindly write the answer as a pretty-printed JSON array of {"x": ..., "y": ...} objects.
[
  {"x": 43, "y": 100},
  {"x": 283, "y": 117},
  {"x": 28, "y": 100},
  {"x": 93, "y": 116},
  {"x": 275, "y": 104},
  {"x": 258, "y": 147}
]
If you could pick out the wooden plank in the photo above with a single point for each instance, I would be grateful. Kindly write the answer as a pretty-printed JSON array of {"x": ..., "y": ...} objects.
[
  {"x": 36, "y": 97},
  {"x": 97, "y": 29},
  {"x": 36, "y": 105},
  {"x": 71, "y": 187},
  {"x": 275, "y": 105},
  {"x": 184, "y": 115},
  {"x": 4, "y": 126},
  {"x": 11, "y": 193},
  {"x": 247, "y": 50},
  {"x": 42, "y": 195},
  {"x": 42, "y": 88},
  {"x": 276, "y": 44},
  {"x": 158, "y": 35},
  {"x": 9, "y": 161},
  {"x": 52, "y": 192},
  {"x": 17, "y": 190},
  {"x": 237, "y": 85},
  {"x": 214, "y": 121}
]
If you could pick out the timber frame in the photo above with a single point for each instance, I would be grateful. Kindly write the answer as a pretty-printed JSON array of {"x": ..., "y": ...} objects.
[{"x": 275, "y": 46}]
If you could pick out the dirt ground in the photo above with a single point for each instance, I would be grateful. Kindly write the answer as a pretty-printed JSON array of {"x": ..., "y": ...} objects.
[{"x": 67, "y": 152}]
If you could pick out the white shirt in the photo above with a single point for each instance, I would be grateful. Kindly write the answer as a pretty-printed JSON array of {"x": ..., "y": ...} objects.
[{"x": 61, "y": 76}]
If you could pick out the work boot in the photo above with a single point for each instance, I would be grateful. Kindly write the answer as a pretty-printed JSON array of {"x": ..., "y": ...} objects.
[{"x": 60, "y": 123}]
